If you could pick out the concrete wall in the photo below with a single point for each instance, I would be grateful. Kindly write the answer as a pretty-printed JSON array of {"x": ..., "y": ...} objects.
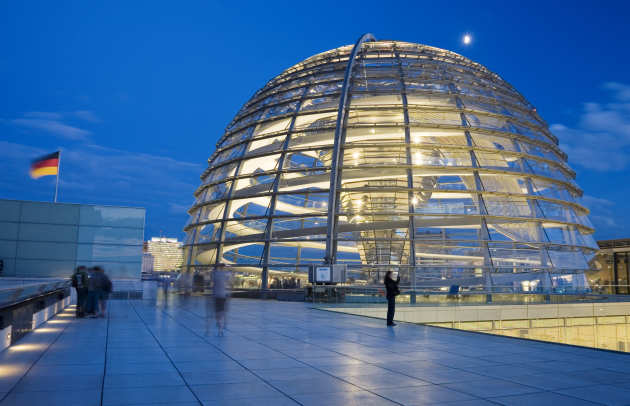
[{"x": 39, "y": 239}]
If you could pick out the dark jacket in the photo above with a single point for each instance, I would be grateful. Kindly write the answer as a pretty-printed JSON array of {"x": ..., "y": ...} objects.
[
  {"x": 392, "y": 287},
  {"x": 80, "y": 280},
  {"x": 101, "y": 282}
]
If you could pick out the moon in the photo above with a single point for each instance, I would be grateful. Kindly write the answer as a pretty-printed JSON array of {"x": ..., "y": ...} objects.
[{"x": 467, "y": 39}]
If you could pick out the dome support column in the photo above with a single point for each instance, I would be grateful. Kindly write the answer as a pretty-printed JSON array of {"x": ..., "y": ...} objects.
[
  {"x": 411, "y": 230},
  {"x": 337, "y": 161}
]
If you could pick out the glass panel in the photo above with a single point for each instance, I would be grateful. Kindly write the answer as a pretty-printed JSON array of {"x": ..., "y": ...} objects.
[
  {"x": 419, "y": 85},
  {"x": 429, "y": 99},
  {"x": 320, "y": 103},
  {"x": 204, "y": 255},
  {"x": 48, "y": 232},
  {"x": 567, "y": 258},
  {"x": 326, "y": 88},
  {"x": 551, "y": 190},
  {"x": 216, "y": 192},
  {"x": 9, "y": 210},
  {"x": 369, "y": 99},
  {"x": 545, "y": 169},
  {"x": 304, "y": 180},
  {"x": 45, "y": 268},
  {"x": 254, "y": 185},
  {"x": 562, "y": 234},
  {"x": 110, "y": 235},
  {"x": 539, "y": 151},
  {"x": 7, "y": 249},
  {"x": 237, "y": 137},
  {"x": 361, "y": 203},
  {"x": 208, "y": 232},
  {"x": 440, "y": 157},
  {"x": 317, "y": 120},
  {"x": 499, "y": 161},
  {"x": 307, "y": 159},
  {"x": 512, "y": 230},
  {"x": 260, "y": 164},
  {"x": 251, "y": 207},
  {"x": 247, "y": 254},
  {"x": 422, "y": 136},
  {"x": 434, "y": 117},
  {"x": 485, "y": 107},
  {"x": 312, "y": 139},
  {"x": 454, "y": 205},
  {"x": 284, "y": 108},
  {"x": 449, "y": 254},
  {"x": 445, "y": 182},
  {"x": 509, "y": 206},
  {"x": 516, "y": 255},
  {"x": 229, "y": 154},
  {"x": 212, "y": 212},
  {"x": 557, "y": 212},
  {"x": 493, "y": 142},
  {"x": 269, "y": 144},
  {"x": 117, "y": 253},
  {"x": 34, "y": 212},
  {"x": 360, "y": 84},
  {"x": 8, "y": 231},
  {"x": 372, "y": 117},
  {"x": 488, "y": 122},
  {"x": 112, "y": 216},
  {"x": 303, "y": 227},
  {"x": 374, "y": 135},
  {"x": 118, "y": 270},
  {"x": 46, "y": 250},
  {"x": 384, "y": 155},
  {"x": 269, "y": 127},
  {"x": 302, "y": 203},
  {"x": 240, "y": 228},
  {"x": 373, "y": 177},
  {"x": 220, "y": 173},
  {"x": 504, "y": 183}
]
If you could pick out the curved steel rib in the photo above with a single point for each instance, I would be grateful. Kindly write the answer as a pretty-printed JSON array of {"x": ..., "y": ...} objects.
[{"x": 339, "y": 131}]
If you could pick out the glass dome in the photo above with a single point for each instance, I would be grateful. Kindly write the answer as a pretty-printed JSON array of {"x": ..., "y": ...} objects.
[{"x": 391, "y": 155}]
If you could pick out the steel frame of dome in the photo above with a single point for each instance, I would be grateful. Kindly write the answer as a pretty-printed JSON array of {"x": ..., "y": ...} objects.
[{"x": 437, "y": 168}]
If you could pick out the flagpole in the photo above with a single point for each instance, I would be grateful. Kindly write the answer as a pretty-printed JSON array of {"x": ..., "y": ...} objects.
[{"x": 58, "y": 173}]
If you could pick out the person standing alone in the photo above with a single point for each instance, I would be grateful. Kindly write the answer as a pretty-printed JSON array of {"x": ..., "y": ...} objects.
[{"x": 391, "y": 286}]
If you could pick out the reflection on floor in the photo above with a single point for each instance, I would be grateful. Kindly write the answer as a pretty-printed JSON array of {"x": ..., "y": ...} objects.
[
  {"x": 606, "y": 332},
  {"x": 279, "y": 353}
]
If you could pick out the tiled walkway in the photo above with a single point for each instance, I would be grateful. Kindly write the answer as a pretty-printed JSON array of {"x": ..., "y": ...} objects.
[{"x": 276, "y": 353}]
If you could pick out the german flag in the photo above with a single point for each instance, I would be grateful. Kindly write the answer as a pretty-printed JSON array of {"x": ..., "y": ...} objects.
[{"x": 46, "y": 165}]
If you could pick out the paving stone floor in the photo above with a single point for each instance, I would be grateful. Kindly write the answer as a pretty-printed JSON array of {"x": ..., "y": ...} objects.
[{"x": 278, "y": 353}]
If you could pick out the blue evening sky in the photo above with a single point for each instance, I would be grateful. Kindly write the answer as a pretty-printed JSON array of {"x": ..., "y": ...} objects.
[{"x": 136, "y": 94}]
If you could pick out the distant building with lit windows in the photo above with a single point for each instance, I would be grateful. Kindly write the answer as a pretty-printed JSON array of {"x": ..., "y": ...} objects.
[{"x": 166, "y": 254}]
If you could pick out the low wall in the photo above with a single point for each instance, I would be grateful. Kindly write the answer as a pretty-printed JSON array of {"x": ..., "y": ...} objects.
[
  {"x": 19, "y": 318},
  {"x": 445, "y": 314}
]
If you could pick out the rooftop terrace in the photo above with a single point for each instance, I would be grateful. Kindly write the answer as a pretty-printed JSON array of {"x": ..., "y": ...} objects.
[{"x": 278, "y": 353}]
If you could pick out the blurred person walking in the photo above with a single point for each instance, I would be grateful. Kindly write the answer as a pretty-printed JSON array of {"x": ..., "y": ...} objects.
[
  {"x": 220, "y": 279},
  {"x": 80, "y": 282},
  {"x": 104, "y": 288},
  {"x": 391, "y": 286}
]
